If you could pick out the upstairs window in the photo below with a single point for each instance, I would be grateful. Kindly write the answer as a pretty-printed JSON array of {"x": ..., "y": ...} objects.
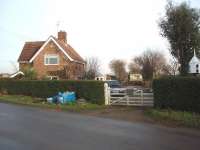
[{"x": 51, "y": 59}]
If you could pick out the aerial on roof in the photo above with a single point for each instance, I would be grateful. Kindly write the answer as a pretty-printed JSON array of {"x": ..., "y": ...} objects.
[{"x": 31, "y": 49}]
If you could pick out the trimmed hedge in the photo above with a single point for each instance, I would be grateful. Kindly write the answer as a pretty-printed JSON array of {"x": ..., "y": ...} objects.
[
  {"x": 93, "y": 91},
  {"x": 179, "y": 93}
]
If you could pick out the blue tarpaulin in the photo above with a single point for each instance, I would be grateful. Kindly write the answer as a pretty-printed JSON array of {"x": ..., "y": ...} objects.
[{"x": 63, "y": 98}]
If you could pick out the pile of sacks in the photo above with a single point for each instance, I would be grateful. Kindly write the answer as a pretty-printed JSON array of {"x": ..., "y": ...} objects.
[{"x": 62, "y": 98}]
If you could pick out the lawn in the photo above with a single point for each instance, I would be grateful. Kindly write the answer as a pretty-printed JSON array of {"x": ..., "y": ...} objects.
[
  {"x": 171, "y": 117},
  {"x": 39, "y": 102}
]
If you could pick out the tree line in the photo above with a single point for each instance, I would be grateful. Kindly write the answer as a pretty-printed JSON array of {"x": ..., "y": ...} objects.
[
  {"x": 151, "y": 63},
  {"x": 181, "y": 27}
]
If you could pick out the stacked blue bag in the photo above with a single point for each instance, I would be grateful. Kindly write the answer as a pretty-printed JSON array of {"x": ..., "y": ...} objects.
[{"x": 63, "y": 98}]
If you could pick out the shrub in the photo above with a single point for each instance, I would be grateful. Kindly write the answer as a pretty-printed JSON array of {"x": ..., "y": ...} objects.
[
  {"x": 180, "y": 93},
  {"x": 93, "y": 91},
  {"x": 30, "y": 73}
]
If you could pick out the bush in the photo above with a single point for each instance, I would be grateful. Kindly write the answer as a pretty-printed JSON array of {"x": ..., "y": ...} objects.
[
  {"x": 179, "y": 93},
  {"x": 93, "y": 91},
  {"x": 30, "y": 73}
]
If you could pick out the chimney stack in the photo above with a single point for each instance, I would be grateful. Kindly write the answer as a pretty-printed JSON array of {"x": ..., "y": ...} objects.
[{"x": 62, "y": 36}]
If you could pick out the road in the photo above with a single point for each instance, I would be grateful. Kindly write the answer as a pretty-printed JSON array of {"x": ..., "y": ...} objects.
[{"x": 26, "y": 128}]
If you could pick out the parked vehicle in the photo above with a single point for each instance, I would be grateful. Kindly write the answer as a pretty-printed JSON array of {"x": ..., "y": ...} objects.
[
  {"x": 116, "y": 87},
  {"x": 113, "y": 84}
]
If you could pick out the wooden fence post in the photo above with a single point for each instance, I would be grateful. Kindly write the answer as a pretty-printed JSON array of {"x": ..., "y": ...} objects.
[
  {"x": 127, "y": 100},
  {"x": 142, "y": 96}
]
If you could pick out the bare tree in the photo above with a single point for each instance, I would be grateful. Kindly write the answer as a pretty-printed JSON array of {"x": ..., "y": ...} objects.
[
  {"x": 172, "y": 68},
  {"x": 134, "y": 68},
  {"x": 151, "y": 63},
  {"x": 92, "y": 68},
  {"x": 117, "y": 66}
]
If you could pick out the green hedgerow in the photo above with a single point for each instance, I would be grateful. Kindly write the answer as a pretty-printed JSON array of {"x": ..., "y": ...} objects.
[
  {"x": 179, "y": 93},
  {"x": 92, "y": 91}
]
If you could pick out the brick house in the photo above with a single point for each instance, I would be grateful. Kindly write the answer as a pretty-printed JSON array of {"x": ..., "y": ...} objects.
[{"x": 53, "y": 58}]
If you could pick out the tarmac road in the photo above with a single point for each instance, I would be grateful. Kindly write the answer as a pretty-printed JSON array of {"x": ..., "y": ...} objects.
[{"x": 26, "y": 128}]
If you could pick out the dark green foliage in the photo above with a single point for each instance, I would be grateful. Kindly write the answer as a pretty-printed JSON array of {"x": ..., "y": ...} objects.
[
  {"x": 180, "y": 26},
  {"x": 179, "y": 93},
  {"x": 93, "y": 91}
]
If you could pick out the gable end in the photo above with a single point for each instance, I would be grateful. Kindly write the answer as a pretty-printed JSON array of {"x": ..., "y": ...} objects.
[{"x": 49, "y": 39}]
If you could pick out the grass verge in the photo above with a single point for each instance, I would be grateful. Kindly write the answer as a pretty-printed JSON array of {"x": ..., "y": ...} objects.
[
  {"x": 39, "y": 102},
  {"x": 178, "y": 118}
]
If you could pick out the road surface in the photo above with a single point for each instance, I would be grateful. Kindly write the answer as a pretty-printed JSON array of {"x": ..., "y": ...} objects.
[{"x": 26, "y": 128}]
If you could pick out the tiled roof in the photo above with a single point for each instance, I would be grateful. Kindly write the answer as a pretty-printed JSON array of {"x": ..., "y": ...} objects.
[
  {"x": 30, "y": 48},
  {"x": 70, "y": 51}
]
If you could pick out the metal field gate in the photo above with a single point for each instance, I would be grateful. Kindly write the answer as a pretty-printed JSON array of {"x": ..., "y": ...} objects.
[{"x": 129, "y": 97}]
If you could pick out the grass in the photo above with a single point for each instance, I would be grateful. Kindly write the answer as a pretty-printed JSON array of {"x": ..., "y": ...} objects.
[
  {"x": 180, "y": 118},
  {"x": 167, "y": 116},
  {"x": 39, "y": 102}
]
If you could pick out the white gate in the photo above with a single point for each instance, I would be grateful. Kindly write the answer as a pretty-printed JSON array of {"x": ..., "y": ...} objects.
[{"x": 120, "y": 96}]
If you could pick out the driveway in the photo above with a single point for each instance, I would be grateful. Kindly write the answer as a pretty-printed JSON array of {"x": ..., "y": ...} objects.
[{"x": 26, "y": 128}]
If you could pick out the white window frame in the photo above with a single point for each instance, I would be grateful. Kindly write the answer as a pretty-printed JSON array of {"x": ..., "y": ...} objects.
[
  {"x": 53, "y": 77},
  {"x": 51, "y": 56}
]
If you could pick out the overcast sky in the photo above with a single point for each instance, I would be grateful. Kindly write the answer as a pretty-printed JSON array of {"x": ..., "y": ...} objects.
[{"x": 106, "y": 29}]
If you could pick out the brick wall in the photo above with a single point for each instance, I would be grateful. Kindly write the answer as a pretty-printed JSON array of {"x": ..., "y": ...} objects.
[{"x": 73, "y": 70}]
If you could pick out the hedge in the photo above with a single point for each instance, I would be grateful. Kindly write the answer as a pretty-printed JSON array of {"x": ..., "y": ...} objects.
[
  {"x": 179, "y": 93},
  {"x": 93, "y": 91}
]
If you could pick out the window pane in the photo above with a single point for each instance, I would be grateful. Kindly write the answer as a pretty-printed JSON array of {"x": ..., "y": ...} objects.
[
  {"x": 53, "y": 60},
  {"x": 46, "y": 61}
]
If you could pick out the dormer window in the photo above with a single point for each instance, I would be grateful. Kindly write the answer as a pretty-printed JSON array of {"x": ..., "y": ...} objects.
[{"x": 51, "y": 59}]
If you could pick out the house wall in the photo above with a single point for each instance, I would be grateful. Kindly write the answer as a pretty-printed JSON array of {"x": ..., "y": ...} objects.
[
  {"x": 135, "y": 77},
  {"x": 72, "y": 70}
]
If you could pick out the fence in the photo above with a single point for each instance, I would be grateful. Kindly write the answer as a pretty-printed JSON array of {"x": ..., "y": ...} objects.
[{"x": 123, "y": 96}]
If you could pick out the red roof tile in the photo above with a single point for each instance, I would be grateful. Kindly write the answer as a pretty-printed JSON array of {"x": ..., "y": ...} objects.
[
  {"x": 30, "y": 48},
  {"x": 70, "y": 51}
]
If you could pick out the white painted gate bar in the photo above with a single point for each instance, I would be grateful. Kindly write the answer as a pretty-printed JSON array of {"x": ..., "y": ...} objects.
[{"x": 138, "y": 97}]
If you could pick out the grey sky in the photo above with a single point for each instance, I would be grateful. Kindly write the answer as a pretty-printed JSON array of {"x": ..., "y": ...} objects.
[{"x": 104, "y": 28}]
